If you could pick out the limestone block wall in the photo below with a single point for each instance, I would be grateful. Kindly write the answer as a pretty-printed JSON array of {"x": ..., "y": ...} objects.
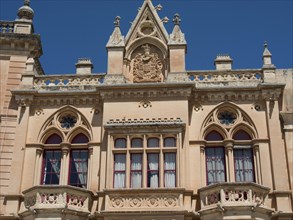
[{"x": 12, "y": 67}]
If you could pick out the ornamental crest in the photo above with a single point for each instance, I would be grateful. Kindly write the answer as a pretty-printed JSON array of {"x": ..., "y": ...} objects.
[{"x": 147, "y": 67}]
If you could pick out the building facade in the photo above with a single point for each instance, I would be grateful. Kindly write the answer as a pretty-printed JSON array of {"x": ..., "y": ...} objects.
[{"x": 149, "y": 139}]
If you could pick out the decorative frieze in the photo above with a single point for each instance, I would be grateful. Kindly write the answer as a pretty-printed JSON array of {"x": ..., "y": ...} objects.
[{"x": 144, "y": 199}]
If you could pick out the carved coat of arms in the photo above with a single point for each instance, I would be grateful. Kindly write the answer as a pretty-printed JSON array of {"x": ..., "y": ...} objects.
[{"x": 147, "y": 67}]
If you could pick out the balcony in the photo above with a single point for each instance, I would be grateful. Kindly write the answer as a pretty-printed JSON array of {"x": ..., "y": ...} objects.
[
  {"x": 55, "y": 197},
  {"x": 233, "y": 196}
]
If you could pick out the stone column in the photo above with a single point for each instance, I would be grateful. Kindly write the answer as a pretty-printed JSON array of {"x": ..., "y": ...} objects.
[
  {"x": 229, "y": 162},
  {"x": 277, "y": 151},
  {"x": 38, "y": 166},
  {"x": 256, "y": 160},
  {"x": 65, "y": 147},
  {"x": 287, "y": 118},
  {"x": 203, "y": 166}
]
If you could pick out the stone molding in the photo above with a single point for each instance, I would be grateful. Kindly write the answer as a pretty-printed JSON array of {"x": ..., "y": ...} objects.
[
  {"x": 144, "y": 123},
  {"x": 113, "y": 79}
]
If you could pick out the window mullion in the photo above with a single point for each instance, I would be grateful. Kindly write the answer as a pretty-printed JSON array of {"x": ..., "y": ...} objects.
[
  {"x": 161, "y": 163},
  {"x": 127, "y": 168},
  {"x": 64, "y": 165}
]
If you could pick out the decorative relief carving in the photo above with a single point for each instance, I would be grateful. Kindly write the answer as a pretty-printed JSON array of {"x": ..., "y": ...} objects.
[
  {"x": 143, "y": 201},
  {"x": 147, "y": 66},
  {"x": 145, "y": 104}
]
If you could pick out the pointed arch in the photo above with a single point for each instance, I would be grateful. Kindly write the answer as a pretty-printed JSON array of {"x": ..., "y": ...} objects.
[
  {"x": 146, "y": 40},
  {"x": 49, "y": 132},
  {"x": 76, "y": 131},
  {"x": 242, "y": 120},
  {"x": 244, "y": 127},
  {"x": 53, "y": 123},
  {"x": 214, "y": 128}
]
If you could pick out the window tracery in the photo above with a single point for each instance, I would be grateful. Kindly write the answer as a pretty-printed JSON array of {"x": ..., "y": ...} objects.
[{"x": 229, "y": 151}]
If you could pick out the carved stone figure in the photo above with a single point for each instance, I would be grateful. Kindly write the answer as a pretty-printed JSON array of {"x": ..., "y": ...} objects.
[{"x": 147, "y": 67}]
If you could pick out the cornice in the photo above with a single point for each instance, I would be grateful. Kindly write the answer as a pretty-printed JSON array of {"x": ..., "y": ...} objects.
[{"x": 22, "y": 42}]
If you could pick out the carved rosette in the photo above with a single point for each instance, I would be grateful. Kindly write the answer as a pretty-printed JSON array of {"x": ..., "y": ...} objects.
[
  {"x": 117, "y": 202},
  {"x": 147, "y": 66}
]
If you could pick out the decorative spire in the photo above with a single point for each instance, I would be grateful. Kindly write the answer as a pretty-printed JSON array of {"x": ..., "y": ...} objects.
[
  {"x": 116, "y": 38},
  {"x": 267, "y": 57},
  {"x": 25, "y": 12},
  {"x": 176, "y": 19},
  {"x": 177, "y": 37},
  {"x": 117, "y": 21}
]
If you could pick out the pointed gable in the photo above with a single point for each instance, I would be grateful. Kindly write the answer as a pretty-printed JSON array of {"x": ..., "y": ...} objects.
[{"x": 147, "y": 24}]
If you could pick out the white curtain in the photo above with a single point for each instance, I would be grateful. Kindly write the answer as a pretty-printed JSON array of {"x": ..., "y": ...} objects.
[
  {"x": 136, "y": 167},
  {"x": 244, "y": 171},
  {"x": 153, "y": 174},
  {"x": 80, "y": 162},
  {"x": 170, "y": 169},
  {"x": 119, "y": 170},
  {"x": 215, "y": 158}
]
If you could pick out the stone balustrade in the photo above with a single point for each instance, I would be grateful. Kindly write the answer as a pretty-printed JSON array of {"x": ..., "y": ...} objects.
[
  {"x": 233, "y": 194},
  {"x": 67, "y": 82},
  {"x": 58, "y": 197},
  {"x": 6, "y": 26},
  {"x": 226, "y": 78},
  {"x": 144, "y": 199}
]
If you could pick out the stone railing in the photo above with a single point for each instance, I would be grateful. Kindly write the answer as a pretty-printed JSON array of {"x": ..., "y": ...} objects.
[
  {"x": 58, "y": 197},
  {"x": 67, "y": 82},
  {"x": 6, "y": 26},
  {"x": 233, "y": 194},
  {"x": 143, "y": 199},
  {"x": 226, "y": 78}
]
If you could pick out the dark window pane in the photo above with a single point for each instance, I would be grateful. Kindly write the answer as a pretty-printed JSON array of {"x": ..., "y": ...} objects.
[
  {"x": 153, "y": 142},
  {"x": 53, "y": 139},
  {"x": 51, "y": 167},
  {"x": 243, "y": 164},
  {"x": 170, "y": 142},
  {"x": 241, "y": 135},
  {"x": 80, "y": 139},
  {"x": 136, "y": 143},
  {"x": 78, "y": 168},
  {"x": 214, "y": 136},
  {"x": 215, "y": 165},
  {"x": 120, "y": 143}
]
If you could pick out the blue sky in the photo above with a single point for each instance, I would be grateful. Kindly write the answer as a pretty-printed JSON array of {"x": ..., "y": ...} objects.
[{"x": 71, "y": 29}]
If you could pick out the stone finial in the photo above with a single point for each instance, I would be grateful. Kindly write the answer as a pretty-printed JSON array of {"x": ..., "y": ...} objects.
[
  {"x": 267, "y": 57},
  {"x": 176, "y": 19},
  {"x": 177, "y": 37},
  {"x": 116, "y": 39},
  {"x": 25, "y": 12},
  {"x": 159, "y": 7},
  {"x": 117, "y": 21},
  {"x": 223, "y": 62},
  {"x": 84, "y": 66}
]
